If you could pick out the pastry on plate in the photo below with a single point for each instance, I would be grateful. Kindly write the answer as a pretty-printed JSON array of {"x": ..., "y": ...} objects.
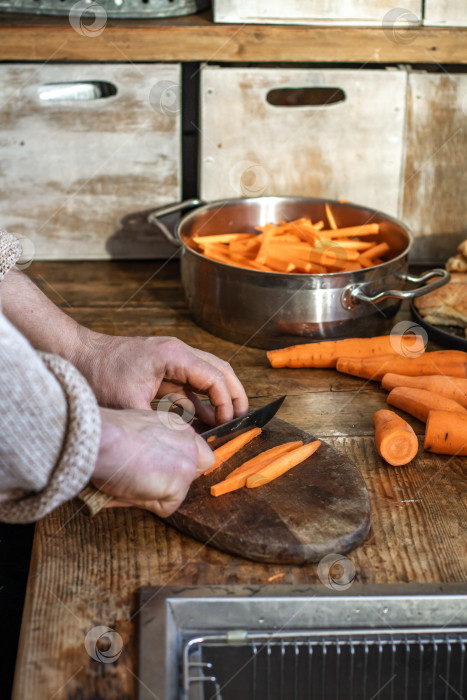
[
  {"x": 447, "y": 305},
  {"x": 457, "y": 264}
]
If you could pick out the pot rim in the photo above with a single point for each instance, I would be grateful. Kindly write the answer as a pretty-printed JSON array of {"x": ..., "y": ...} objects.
[{"x": 220, "y": 203}]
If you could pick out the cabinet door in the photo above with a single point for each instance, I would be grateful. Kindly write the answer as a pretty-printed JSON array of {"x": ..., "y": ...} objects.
[
  {"x": 331, "y": 12},
  {"x": 85, "y": 150},
  {"x": 333, "y": 133},
  {"x": 445, "y": 13},
  {"x": 435, "y": 178}
]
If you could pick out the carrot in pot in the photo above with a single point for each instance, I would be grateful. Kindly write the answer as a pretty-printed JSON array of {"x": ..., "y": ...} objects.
[
  {"x": 279, "y": 264},
  {"x": 368, "y": 257},
  {"x": 395, "y": 439},
  {"x": 419, "y": 402},
  {"x": 356, "y": 245},
  {"x": 237, "y": 478},
  {"x": 451, "y": 387},
  {"x": 228, "y": 449},
  {"x": 452, "y": 363},
  {"x": 349, "y": 231},
  {"x": 330, "y": 216},
  {"x": 282, "y": 464},
  {"x": 326, "y": 353},
  {"x": 220, "y": 238},
  {"x": 446, "y": 433}
]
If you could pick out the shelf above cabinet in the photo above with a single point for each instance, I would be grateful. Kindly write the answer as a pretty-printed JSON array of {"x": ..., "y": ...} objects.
[{"x": 197, "y": 38}]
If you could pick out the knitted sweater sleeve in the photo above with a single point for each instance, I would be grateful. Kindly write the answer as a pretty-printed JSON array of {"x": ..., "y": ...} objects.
[{"x": 49, "y": 429}]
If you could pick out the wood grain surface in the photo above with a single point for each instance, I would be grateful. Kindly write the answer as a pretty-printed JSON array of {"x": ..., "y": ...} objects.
[
  {"x": 87, "y": 572},
  {"x": 435, "y": 173},
  {"x": 319, "y": 507},
  {"x": 197, "y": 38}
]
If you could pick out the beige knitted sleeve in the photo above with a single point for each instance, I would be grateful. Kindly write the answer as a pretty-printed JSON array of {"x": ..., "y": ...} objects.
[
  {"x": 10, "y": 252},
  {"x": 49, "y": 429}
]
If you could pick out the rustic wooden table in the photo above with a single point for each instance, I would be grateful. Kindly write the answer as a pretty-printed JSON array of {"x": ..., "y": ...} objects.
[{"x": 87, "y": 572}]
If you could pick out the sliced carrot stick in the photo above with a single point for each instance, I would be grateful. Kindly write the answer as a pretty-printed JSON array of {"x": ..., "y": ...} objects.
[
  {"x": 336, "y": 249},
  {"x": 368, "y": 256},
  {"x": 419, "y": 402},
  {"x": 450, "y": 387},
  {"x": 356, "y": 245},
  {"x": 243, "y": 261},
  {"x": 240, "y": 261},
  {"x": 327, "y": 352},
  {"x": 329, "y": 214},
  {"x": 221, "y": 238},
  {"x": 245, "y": 246},
  {"x": 228, "y": 449},
  {"x": 362, "y": 230},
  {"x": 268, "y": 233},
  {"x": 446, "y": 433},
  {"x": 395, "y": 439},
  {"x": 281, "y": 265},
  {"x": 281, "y": 465},
  {"x": 347, "y": 266},
  {"x": 452, "y": 363},
  {"x": 237, "y": 478}
]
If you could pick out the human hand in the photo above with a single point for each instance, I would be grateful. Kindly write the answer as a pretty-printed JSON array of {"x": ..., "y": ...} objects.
[
  {"x": 148, "y": 461},
  {"x": 131, "y": 372}
]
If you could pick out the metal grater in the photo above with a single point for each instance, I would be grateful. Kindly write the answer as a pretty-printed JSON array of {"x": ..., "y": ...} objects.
[
  {"x": 106, "y": 8},
  {"x": 304, "y": 643}
]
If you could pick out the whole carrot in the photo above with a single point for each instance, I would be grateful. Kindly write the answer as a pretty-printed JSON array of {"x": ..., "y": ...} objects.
[
  {"x": 228, "y": 449},
  {"x": 395, "y": 439},
  {"x": 326, "y": 353},
  {"x": 419, "y": 402},
  {"x": 453, "y": 388},
  {"x": 446, "y": 433},
  {"x": 282, "y": 464},
  {"x": 452, "y": 363}
]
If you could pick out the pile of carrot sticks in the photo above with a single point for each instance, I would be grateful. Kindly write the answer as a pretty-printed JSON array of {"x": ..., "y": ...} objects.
[
  {"x": 261, "y": 469},
  {"x": 298, "y": 246}
]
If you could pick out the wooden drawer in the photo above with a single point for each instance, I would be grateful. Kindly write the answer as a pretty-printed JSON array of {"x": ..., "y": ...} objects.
[
  {"x": 445, "y": 13},
  {"x": 351, "y": 149},
  {"x": 435, "y": 180},
  {"x": 76, "y": 174},
  {"x": 332, "y": 12}
]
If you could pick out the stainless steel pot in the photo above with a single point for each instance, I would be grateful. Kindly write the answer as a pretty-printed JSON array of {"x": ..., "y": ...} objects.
[{"x": 272, "y": 309}]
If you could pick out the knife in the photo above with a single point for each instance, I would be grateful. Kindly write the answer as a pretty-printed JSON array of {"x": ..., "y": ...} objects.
[{"x": 259, "y": 417}]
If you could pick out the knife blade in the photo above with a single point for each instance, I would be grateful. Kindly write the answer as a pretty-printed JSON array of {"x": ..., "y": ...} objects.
[{"x": 259, "y": 417}]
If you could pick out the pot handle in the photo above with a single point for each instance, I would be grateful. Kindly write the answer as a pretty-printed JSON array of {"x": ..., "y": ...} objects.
[
  {"x": 153, "y": 218},
  {"x": 354, "y": 293}
]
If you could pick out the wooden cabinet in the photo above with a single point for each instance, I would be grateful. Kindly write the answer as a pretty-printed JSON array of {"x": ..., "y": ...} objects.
[
  {"x": 343, "y": 139},
  {"x": 79, "y": 166}
]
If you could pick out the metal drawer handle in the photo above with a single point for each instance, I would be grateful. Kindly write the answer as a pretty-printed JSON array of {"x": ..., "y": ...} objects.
[
  {"x": 153, "y": 218},
  {"x": 88, "y": 90},
  {"x": 354, "y": 294}
]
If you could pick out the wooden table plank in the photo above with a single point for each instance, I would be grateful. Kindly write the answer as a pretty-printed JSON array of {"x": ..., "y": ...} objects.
[
  {"x": 87, "y": 572},
  {"x": 198, "y": 38}
]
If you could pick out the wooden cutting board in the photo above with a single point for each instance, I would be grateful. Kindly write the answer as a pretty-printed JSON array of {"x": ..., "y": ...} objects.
[{"x": 318, "y": 507}]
